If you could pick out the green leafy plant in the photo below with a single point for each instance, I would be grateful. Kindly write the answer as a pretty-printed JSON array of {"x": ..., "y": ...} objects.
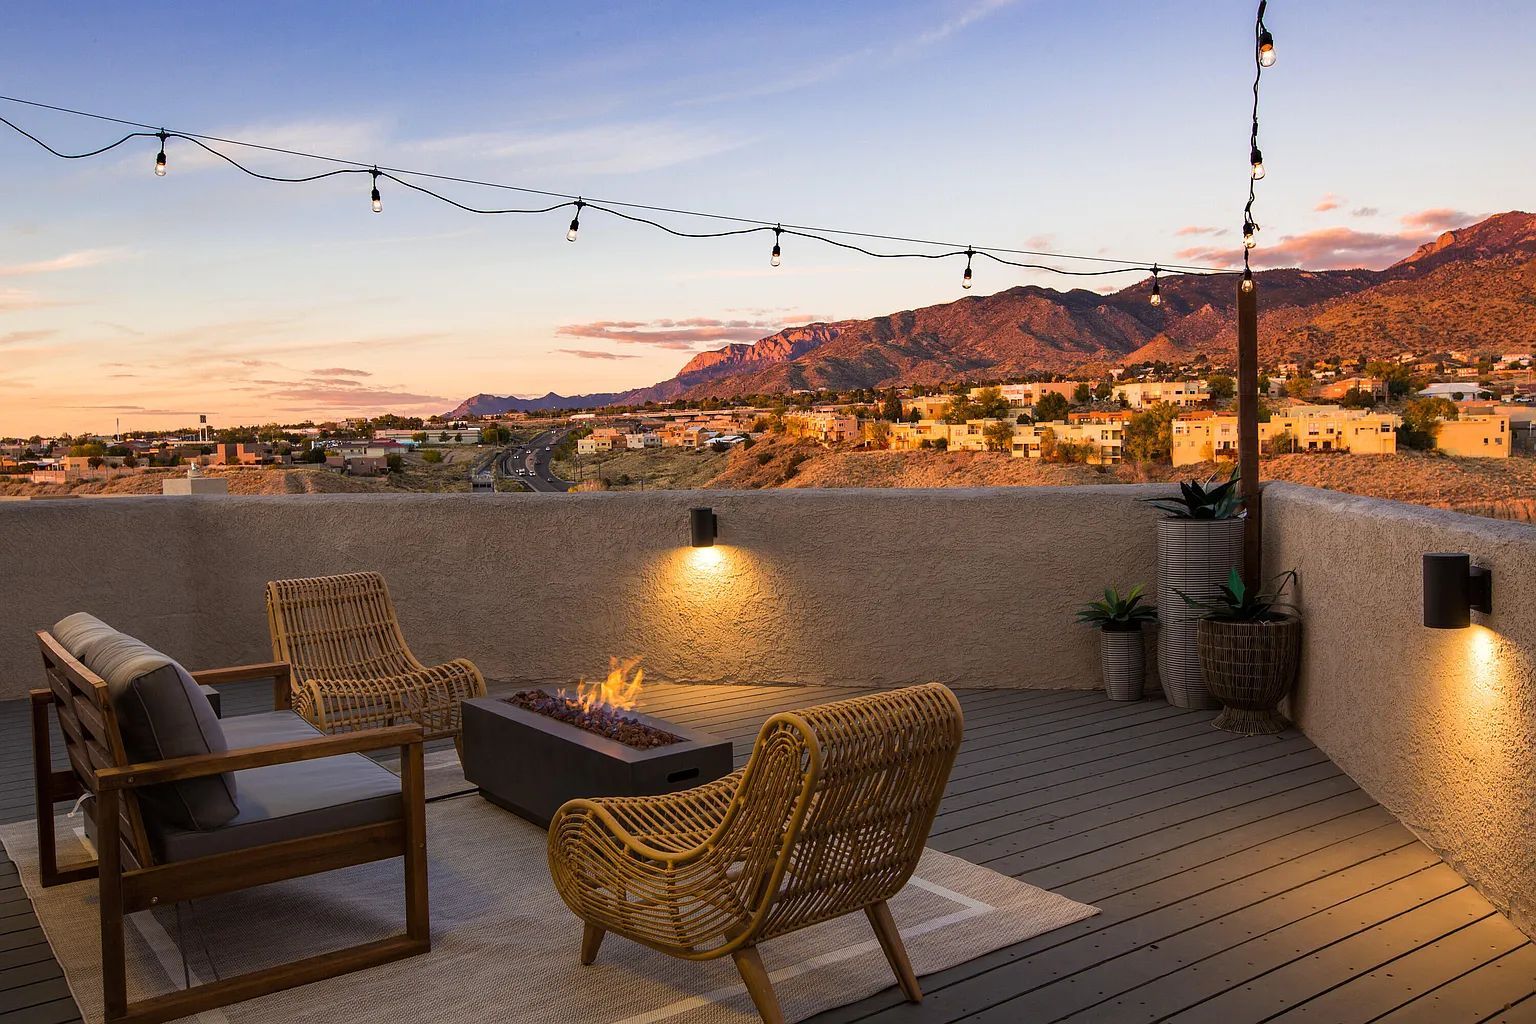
[
  {"x": 1198, "y": 500},
  {"x": 1238, "y": 602},
  {"x": 1118, "y": 613}
]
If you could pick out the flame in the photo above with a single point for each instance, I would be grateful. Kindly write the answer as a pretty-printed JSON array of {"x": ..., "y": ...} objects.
[{"x": 619, "y": 692}]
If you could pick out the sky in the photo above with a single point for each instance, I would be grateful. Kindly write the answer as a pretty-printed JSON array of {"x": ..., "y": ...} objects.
[{"x": 1094, "y": 127}]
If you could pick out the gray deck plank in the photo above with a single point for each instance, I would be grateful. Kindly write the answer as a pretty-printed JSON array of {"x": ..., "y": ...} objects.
[{"x": 1229, "y": 872}]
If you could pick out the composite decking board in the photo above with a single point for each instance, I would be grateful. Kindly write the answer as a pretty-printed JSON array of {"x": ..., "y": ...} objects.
[
  {"x": 1487, "y": 989},
  {"x": 1157, "y": 879},
  {"x": 37, "y": 993}
]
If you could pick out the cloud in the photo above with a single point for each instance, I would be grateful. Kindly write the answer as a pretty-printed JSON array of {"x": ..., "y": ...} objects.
[
  {"x": 20, "y": 298},
  {"x": 1439, "y": 218},
  {"x": 1197, "y": 229},
  {"x": 1332, "y": 248},
  {"x": 1328, "y": 202},
  {"x": 1364, "y": 211},
  {"x": 18, "y": 337},
  {"x": 676, "y": 334},
  {"x": 587, "y": 353},
  {"x": 340, "y": 371},
  {"x": 330, "y": 395},
  {"x": 967, "y": 17},
  {"x": 69, "y": 261},
  {"x": 599, "y": 149}
]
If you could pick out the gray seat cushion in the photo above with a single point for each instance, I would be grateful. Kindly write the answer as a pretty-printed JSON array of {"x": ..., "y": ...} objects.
[
  {"x": 161, "y": 713},
  {"x": 287, "y": 801}
]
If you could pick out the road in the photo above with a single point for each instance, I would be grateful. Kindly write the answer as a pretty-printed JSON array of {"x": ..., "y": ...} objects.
[{"x": 533, "y": 458}]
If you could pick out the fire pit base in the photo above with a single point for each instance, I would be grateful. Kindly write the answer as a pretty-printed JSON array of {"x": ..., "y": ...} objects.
[{"x": 530, "y": 764}]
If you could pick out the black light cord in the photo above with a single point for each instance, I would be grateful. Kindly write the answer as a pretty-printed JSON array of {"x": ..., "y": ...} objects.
[
  {"x": 1250, "y": 226},
  {"x": 400, "y": 176}
]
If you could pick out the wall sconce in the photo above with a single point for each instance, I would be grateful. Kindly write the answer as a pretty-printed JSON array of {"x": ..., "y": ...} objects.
[
  {"x": 703, "y": 527},
  {"x": 1453, "y": 588}
]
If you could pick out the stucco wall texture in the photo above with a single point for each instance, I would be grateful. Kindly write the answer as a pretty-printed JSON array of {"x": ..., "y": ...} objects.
[
  {"x": 1437, "y": 725},
  {"x": 971, "y": 587}
]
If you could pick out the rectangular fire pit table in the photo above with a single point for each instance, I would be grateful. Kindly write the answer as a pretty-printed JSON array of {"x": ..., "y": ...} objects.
[{"x": 530, "y": 763}]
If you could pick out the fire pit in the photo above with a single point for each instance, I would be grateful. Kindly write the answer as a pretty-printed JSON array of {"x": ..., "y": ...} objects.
[{"x": 534, "y": 750}]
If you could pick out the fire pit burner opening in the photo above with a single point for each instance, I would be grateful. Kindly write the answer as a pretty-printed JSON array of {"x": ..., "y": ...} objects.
[{"x": 597, "y": 718}]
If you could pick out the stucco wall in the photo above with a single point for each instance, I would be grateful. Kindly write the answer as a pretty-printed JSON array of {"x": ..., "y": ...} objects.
[
  {"x": 1438, "y": 725},
  {"x": 974, "y": 587}
]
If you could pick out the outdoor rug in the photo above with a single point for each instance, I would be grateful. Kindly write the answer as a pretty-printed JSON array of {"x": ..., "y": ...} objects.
[{"x": 504, "y": 948}]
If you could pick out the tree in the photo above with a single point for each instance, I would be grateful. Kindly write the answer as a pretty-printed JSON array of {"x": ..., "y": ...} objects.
[
  {"x": 1149, "y": 434},
  {"x": 1102, "y": 390},
  {"x": 914, "y": 416},
  {"x": 1082, "y": 394},
  {"x": 878, "y": 433},
  {"x": 1421, "y": 421},
  {"x": 395, "y": 462},
  {"x": 95, "y": 461},
  {"x": 989, "y": 404},
  {"x": 960, "y": 409},
  {"x": 1047, "y": 445},
  {"x": 313, "y": 455},
  {"x": 420, "y": 437},
  {"x": 1280, "y": 443},
  {"x": 1051, "y": 406},
  {"x": 891, "y": 408},
  {"x": 999, "y": 435},
  {"x": 432, "y": 455},
  {"x": 86, "y": 451},
  {"x": 1354, "y": 398},
  {"x": 1222, "y": 387},
  {"x": 129, "y": 461}
]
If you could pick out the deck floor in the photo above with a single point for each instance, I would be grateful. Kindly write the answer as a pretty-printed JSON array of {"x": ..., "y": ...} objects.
[{"x": 1240, "y": 880}]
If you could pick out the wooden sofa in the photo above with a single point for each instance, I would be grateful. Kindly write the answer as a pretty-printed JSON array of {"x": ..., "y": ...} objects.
[{"x": 282, "y": 828}]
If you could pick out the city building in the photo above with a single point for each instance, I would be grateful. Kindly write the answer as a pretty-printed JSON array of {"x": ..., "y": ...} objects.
[
  {"x": 1185, "y": 394},
  {"x": 1103, "y": 436},
  {"x": 827, "y": 427},
  {"x": 603, "y": 439},
  {"x": 641, "y": 439},
  {"x": 1202, "y": 435},
  {"x": 1475, "y": 436},
  {"x": 434, "y": 434},
  {"x": 1456, "y": 392}
]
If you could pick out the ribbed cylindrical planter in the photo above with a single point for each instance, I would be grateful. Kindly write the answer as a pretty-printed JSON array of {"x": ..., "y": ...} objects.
[
  {"x": 1250, "y": 667},
  {"x": 1123, "y": 655},
  {"x": 1194, "y": 557}
]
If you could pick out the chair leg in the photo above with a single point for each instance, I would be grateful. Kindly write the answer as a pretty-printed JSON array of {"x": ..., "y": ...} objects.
[
  {"x": 895, "y": 951},
  {"x": 591, "y": 941},
  {"x": 114, "y": 976},
  {"x": 750, "y": 964}
]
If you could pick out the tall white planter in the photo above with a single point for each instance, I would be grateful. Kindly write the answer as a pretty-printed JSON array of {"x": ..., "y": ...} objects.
[{"x": 1194, "y": 558}]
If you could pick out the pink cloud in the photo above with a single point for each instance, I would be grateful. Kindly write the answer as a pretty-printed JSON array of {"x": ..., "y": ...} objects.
[
  {"x": 674, "y": 334},
  {"x": 1439, "y": 218},
  {"x": 587, "y": 353},
  {"x": 1332, "y": 248},
  {"x": 1364, "y": 211},
  {"x": 1328, "y": 202},
  {"x": 1196, "y": 229},
  {"x": 340, "y": 371}
]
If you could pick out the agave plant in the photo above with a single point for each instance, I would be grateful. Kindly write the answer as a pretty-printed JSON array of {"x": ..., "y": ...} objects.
[
  {"x": 1118, "y": 613},
  {"x": 1238, "y": 602},
  {"x": 1208, "y": 500}
]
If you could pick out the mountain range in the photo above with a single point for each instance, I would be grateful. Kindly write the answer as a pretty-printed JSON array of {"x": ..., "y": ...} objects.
[{"x": 1474, "y": 288}]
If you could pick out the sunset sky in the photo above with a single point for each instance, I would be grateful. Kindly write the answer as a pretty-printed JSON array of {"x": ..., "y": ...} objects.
[{"x": 1083, "y": 126}]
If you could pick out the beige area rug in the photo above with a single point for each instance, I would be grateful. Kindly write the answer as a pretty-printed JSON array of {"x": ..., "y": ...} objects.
[{"x": 504, "y": 948}]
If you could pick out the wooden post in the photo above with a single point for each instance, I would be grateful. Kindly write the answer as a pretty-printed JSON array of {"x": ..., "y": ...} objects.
[{"x": 1248, "y": 431}]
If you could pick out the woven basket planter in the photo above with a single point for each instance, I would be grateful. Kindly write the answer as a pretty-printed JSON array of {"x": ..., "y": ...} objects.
[
  {"x": 1250, "y": 667},
  {"x": 1194, "y": 557},
  {"x": 1123, "y": 655}
]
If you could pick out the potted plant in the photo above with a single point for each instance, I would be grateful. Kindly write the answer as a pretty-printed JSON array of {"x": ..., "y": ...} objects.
[
  {"x": 1122, "y": 651},
  {"x": 1199, "y": 541},
  {"x": 1250, "y": 647}
]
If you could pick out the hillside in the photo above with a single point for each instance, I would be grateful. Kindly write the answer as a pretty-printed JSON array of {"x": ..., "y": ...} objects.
[{"x": 1473, "y": 287}]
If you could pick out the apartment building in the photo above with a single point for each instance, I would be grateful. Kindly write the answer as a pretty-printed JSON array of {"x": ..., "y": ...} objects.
[
  {"x": 1202, "y": 435},
  {"x": 827, "y": 427},
  {"x": 1103, "y": 434},
  {"x": 641, "y": 439},
  {"x": 1184, "y": 394},
  {"x": 1476, "y": 436},
  {"x": 1030, "y": 394},
  {"x": 929, "y": 407},
  {"x": 603, "y": 439},
  {"x": 911, "y": 436},
  {"x": 435, "y": 434}
]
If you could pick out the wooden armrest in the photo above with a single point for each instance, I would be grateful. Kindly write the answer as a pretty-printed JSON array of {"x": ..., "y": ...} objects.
[
  {"x": 243, "y": 673},
  {"x": 200, "y": 765}
]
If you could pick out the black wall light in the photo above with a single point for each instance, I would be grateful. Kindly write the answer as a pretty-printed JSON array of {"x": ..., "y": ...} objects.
[
  {"x": 1453, "y": 588},
  {"x": 703, "y": 527}
]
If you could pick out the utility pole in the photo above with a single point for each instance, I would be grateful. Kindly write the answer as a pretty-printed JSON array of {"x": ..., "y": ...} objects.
[{"x": 1248, "y": 428}]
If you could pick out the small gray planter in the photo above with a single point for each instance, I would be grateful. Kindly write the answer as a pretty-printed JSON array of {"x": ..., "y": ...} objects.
[
  {"x": 1194, "y": 557},
  {"x": 1123, "y": 655}
]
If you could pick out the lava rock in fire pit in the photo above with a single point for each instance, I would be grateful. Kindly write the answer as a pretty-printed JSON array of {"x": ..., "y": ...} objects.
[{"x": 599, "y": 719}]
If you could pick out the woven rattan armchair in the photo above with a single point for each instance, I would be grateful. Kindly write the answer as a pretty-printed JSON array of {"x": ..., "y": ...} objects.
[
  {"x": 828, "y": 817},
  {"x": 351, "y": 666}
]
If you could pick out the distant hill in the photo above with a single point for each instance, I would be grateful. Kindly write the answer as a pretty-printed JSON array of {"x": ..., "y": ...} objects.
[
  {"x": 494, "y": 405},
  {"x": 1470, "y": 288}
]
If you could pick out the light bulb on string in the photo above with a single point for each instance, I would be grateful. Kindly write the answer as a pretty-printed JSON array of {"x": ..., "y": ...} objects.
[
  {"x": 378, "y": 200},
  {"x": 570, "y": 234},
  {"x": 1250, "y": 234},
  {"x": 773, "y": 260},
  {"x": 1247, "y": 280},
  {"x": 1256, "y": 161},
  {"x": 1266, "y": 49},
  {"x": 965, "y": 282},
  {"x": 1157, "y": 291},
  {"x": 160, "y": 157}
]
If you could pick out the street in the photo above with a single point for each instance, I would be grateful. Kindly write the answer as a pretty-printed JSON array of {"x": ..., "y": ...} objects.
[{"x": 534, "y": 460}]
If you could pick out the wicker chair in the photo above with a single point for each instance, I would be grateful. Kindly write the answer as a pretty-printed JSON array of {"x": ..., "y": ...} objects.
[
  {"x": 351, "y": 666},
  {"x": 828, "y": 817}
]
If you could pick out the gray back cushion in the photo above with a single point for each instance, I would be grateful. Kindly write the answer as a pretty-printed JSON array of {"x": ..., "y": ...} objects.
[{"x": 161, "y": 714}]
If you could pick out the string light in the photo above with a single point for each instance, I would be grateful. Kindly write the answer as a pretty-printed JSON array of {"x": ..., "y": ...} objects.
[
  {"x": 1157, "y": 291},
  {"x": 1266, "y": 49},
  {"x": 1257, "y": 160},
  {"x": 1247, "y": 280},
  {"x": 1263, "y": 57},
  {"x": 1108, "y": 264},
  {"x": 1250, "y": 234}
]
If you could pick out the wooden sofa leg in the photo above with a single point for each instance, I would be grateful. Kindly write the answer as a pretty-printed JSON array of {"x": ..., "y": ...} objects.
[
  {"x": 750, "y": 964},
  {"x": 418, "y": 920},
  {"x": 114, "y": 968},
  {"x": 895, "y": 950},
  {"x": 591, "y": 941}
]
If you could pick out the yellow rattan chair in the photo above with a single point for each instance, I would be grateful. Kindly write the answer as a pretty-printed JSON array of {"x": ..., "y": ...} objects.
[
  {"x": 828, "y": 817},
  {"x": 351, "y": 666}
]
